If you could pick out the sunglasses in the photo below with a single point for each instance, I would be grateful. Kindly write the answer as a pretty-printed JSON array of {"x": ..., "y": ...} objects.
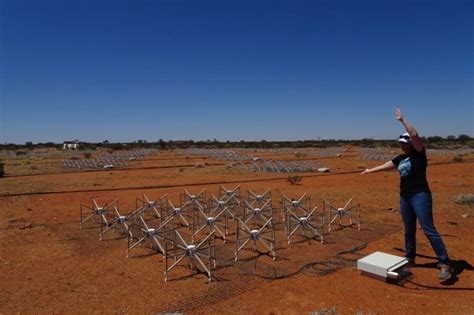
[{"x": 404, "y": 137}]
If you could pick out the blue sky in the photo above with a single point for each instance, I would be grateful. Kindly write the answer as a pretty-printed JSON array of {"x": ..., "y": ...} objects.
[{"x": 233, "y": 70}]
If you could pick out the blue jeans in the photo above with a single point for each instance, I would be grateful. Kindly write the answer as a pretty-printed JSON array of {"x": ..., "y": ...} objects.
[{"x": 420, "y": 206}]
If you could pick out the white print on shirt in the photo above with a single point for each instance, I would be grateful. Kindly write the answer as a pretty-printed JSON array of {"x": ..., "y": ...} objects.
[{"x": 404, "y": 168}]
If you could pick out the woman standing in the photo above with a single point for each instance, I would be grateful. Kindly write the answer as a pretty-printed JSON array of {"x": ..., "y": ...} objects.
[{"x": 415, "y": 196}]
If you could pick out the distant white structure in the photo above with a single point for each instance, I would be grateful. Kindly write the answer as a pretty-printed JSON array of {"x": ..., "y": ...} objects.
[{"x": 70, "y": 145}]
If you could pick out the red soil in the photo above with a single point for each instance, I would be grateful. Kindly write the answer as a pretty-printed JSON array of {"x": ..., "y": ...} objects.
[{"x": 47, "y": 264}]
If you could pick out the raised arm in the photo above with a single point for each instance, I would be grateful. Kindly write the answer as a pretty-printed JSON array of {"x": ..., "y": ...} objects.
[
  {"x": 384, "y": 167},
  {"x": 415, "y": 139}
]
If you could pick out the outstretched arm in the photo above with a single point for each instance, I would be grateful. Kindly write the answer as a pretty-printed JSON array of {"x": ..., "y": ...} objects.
[
  {"x": 415, "y": 139},
  {"x": 384, "y": 167}
]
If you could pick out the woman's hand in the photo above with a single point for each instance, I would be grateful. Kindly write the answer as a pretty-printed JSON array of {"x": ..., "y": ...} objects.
[
  {"x": 398, "y": 114},
  {"x": 365, "y": 172}
]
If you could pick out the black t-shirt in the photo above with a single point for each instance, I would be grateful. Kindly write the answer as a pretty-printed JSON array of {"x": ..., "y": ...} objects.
[{"x": 412, "y": 169}]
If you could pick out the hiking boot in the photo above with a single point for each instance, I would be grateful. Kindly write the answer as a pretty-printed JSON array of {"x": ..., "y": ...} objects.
[
  {"x": 410, "y": 264},
  {"x": 405, "y": 271},
  {"x": 445, "y": 273}
]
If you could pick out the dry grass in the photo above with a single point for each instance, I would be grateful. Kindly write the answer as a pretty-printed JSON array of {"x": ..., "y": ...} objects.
[{"x": 466, "y": 199}]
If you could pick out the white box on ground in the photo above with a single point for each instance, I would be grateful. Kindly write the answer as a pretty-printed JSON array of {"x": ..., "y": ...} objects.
[{"x": 381, "y": 265}]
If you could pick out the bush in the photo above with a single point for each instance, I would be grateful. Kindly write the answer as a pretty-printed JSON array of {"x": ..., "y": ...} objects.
[
  {"x": 87, "y": 155},
  {"x": 294, "y": 179},
  {"x": 467, "y": 199},
  {"x": 229, "y": 166},
  {"x": 300, "y": 155},
  {"x": 2, "y": 169},
  {"x": 458, "y": 159}
]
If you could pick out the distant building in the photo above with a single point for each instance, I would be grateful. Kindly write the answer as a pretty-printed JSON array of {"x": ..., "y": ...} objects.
[{"x": 71, "y": 145}]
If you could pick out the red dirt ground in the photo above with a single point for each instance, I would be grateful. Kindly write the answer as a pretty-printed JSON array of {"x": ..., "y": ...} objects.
[{"x": 49, "y": 265}]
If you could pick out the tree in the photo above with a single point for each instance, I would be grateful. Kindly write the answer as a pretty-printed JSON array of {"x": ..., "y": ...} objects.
[
  {"x": 463, "y": 138},
  {"x": 435, "y": 139},
  {"x": 162, "y": 144},
  {"x": 367, "y": 142}
]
